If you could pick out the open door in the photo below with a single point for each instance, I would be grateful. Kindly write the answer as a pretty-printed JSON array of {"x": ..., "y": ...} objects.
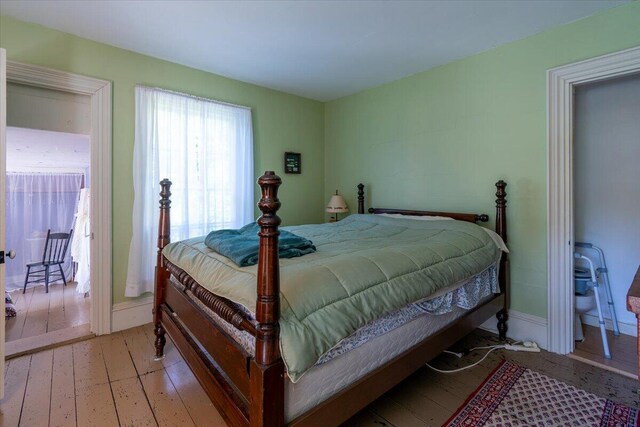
[{"x": 3, "y": 172}]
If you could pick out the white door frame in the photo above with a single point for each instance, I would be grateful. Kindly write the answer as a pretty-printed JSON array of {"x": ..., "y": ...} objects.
[
  {"x": 100, "y": 211},
  {"x": 561, "y": 82}
]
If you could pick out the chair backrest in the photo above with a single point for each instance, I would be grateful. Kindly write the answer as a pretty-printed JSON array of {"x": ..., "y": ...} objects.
[{"x": 55, "y": 247}]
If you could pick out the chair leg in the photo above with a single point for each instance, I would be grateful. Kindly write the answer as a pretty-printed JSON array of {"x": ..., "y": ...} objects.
[
  {"x": 62, "y": 274},
  {"x": 46, "y": 278},
  {"x": 26, "y": 279}
]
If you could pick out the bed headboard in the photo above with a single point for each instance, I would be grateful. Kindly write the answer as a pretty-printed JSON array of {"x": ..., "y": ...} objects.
[{"x": 469, "y": 217}]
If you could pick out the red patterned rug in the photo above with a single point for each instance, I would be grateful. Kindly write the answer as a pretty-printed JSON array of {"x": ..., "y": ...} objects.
[{"x": 515, "y": 396}]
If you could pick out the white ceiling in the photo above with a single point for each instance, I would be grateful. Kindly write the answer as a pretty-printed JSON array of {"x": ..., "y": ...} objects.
[
  {"x": 317, "y": 49},
  {"x": 31, "y": 150}
]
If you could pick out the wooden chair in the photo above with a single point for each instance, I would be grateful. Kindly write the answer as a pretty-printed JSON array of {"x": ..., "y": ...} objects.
[{"x": 55, "y": 250}]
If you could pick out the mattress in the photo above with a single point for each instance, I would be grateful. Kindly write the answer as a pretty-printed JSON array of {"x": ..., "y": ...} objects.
[
  {"x": 466, "y": 295},
  {"x": 323, "y": 381}
]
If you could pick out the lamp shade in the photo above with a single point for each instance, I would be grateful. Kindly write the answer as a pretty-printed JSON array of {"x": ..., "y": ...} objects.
[{"x": 337, "y": 204}]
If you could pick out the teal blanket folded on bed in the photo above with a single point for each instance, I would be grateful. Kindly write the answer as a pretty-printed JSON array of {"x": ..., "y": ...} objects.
[{"x": 241, "y": 246}]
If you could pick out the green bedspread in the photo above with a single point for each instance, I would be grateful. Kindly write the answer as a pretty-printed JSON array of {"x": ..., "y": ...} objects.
[{"x": 365, "y": 267}]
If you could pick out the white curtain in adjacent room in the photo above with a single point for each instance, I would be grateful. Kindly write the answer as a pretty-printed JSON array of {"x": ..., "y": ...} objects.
[
  {"x": 37, "y": 202},
  {"x": 81, "y": 243},
  {"x": 206, "y": 149}
]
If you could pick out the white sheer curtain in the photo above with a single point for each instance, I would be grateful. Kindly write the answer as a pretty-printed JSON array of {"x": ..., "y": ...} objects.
[
  {"x": 206, "y": 149},
  {"x": 37, "y": 202}
]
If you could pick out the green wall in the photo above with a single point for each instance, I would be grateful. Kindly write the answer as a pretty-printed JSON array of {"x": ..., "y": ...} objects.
[
  {"x": 440, "y": 139},
  {"x": 281, "y": 122},
  {"x": 436, "y": 140}
]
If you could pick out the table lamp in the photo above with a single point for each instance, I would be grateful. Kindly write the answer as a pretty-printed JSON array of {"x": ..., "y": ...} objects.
[{"x": 337, "y": 205}]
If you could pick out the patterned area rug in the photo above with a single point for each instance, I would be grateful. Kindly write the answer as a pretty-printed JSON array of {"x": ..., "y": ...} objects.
[{"x": 514, "y": 396}]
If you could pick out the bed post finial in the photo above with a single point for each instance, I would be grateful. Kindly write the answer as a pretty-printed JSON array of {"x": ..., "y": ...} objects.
[
  {"x": 267, "y": 368},
  {"x": 164, "y": 226},
  {"x": 361, "y": 198},
  {"x": 503, "y": 279}
]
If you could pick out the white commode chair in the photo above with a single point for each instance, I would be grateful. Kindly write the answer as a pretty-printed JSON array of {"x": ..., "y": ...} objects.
[{"x": 594, "y": 284}]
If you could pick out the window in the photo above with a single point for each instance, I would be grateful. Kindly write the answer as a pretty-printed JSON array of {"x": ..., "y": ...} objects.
[{"x": 206, "y": 149}]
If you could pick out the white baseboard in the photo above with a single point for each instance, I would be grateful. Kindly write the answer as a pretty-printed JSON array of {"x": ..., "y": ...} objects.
[
  {"x": 132, "y": 313},
  {"x": 625, "y": 328},
  {"x": 522, "y": 327}
]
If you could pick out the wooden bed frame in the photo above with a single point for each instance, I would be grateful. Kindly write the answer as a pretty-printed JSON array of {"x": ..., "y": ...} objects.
[{"x": 248, "y": 390}]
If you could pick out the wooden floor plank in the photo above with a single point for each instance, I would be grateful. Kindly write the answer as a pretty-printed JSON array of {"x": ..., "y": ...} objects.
[
  {"x": 367, "y": 418},
  {"x": 76, "y": 307},
  {"x": 198, "y": 404},
  {"x": 131, "y": 403},
  {"x": 15, "y": 325},
  {"x": 89, "y": 365},
  {"x": 142, "y": 352},
  {"x": 117, "y": 357},
  {"x": 14, "y": 388},
  {"x": 420, "y": 406},
  {"x": 38, "y": 314},
  {"x": 63, "y": 393},
  {"x": 437, "y": 392},
  {"x": 37, "y": 397},
  {"x": 396, "y": 414},
  {"x": 95, "y": 405},
  {"x": 56, "y": 318},
  {"x": 165, "y": 401}
]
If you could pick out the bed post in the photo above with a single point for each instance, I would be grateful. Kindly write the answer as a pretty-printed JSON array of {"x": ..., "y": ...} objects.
[
  {"x": 267, "y": 368},
  {"x": 161, "y": 272},
  {"x": 360, "y": 198},
  {"x": 503, "y": 279}
]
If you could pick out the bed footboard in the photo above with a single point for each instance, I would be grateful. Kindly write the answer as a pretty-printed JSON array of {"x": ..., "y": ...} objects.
[{"x": 247, "y": 390}]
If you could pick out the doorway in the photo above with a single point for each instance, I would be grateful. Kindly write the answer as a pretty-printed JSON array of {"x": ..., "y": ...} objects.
[
  {"x": 47, "y": 227},
  {"x": 563, "y": 83},
  {"x": 90, "y": 136},
  {"x": 607, "y": 200}
]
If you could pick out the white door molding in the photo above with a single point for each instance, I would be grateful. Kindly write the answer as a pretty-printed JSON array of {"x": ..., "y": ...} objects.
[
  {"x": 100, "y": 93},
  {"x": 561, "y": 82}
]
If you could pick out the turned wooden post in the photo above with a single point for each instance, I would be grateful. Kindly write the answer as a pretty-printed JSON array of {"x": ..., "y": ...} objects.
[
  {"x": 360, "y": 198},
  {"x": 267, "y": 368},
  {"x": 162, "y": 274},
  {"x": 503, "y": 279}
]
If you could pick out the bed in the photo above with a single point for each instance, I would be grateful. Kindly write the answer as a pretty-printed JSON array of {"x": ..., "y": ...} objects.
[{"x": 312, "y": 340}]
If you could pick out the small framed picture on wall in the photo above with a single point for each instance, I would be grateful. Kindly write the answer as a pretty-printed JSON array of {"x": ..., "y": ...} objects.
[{"x": 292, "y": 162}]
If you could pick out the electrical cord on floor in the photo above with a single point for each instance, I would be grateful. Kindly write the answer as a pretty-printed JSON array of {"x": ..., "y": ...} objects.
[{"x": 460, "y": 355}]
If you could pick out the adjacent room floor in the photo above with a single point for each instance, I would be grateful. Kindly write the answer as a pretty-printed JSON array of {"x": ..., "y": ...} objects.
[
  {"x": 41, "y": 313},
  {"x": 113, "y": 380},
  {"x": 624, "y": 359}
]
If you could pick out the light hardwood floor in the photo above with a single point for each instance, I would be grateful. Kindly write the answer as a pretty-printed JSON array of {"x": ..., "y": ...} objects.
[
  {"x": 40, "y": 312},
  {"x": 113, "y": 380},
  {"x": 105, "y": 381},
  {"x": 624, "y": 358}
]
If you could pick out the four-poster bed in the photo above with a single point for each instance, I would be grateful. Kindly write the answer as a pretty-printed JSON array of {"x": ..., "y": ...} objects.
[{"x": 248, "y": 387}]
